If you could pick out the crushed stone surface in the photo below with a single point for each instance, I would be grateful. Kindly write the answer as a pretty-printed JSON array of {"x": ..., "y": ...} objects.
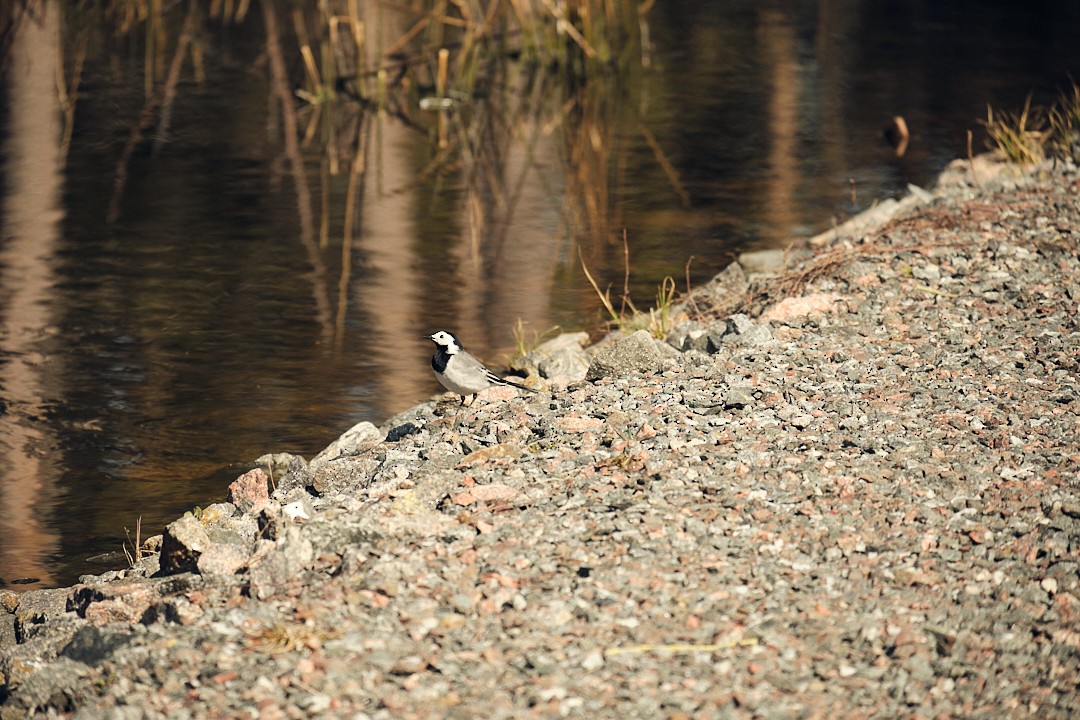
[{"x": 858, "y": 498}]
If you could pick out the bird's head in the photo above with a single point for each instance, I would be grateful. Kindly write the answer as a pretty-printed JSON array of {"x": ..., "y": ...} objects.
[{"x": 446, "y": 341}]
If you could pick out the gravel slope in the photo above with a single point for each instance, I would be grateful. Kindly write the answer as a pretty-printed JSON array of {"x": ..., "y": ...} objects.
[{"x": 857, "y": 499}]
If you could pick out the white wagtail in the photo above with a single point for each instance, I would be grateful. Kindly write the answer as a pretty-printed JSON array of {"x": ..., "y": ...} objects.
[{"x": 459, "y": 372}]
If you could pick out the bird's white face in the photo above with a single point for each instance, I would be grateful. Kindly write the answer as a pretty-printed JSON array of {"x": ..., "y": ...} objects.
[{"x": 446, "y": 340}]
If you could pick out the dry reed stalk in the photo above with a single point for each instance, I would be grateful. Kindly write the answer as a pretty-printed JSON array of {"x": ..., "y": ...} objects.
[
  {"x": 567, "y": 27},
  {"x": 136, "y": 553},
  {"x": 440, "y": 91}
]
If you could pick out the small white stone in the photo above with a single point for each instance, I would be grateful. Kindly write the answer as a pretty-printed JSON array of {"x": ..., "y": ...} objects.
[
  {"x": 1050, "y": 585},
  {"x": 295, "y": 511},
  {"x": 593, "y": 661}
]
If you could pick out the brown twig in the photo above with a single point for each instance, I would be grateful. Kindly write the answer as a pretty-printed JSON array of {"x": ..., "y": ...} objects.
[{"x": 689, "y": 294}]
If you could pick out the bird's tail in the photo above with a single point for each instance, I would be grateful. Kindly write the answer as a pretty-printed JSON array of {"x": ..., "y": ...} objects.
[{"x": 518, "y": 386}]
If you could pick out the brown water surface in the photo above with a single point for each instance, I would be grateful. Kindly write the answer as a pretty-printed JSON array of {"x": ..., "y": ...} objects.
[{"x": 169, "y": 316}]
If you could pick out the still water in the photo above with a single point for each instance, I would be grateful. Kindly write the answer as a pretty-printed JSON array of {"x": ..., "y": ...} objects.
[{"x": 171, "y": 313}]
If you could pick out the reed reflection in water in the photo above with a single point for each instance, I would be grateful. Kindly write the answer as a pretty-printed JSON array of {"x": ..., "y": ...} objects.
[{"x": 256, "y": 220}]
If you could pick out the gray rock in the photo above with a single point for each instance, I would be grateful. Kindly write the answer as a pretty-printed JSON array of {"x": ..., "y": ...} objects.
[
  {"x": 866, "y": 221},
  {"x": 706, "y": 532},
  {"x": 919, "y": 194},
  {"x": 109, "y": 602},
  {"x": 238, "y": 529},
  {"x": 52, "y": 686},
  {"x": 277, "y": 465},
  {"x": 929, "y": 273},
  {"x": 35, "y": 613},
  {"x": 689, "y": 336},
  {"x": 270, "y": 571},
  {"x": 355, "y": 440},
  {"x": 741, "y": 331},
  {"x": 277, "y": 564},
  {"x": 298, "y": 476},
  {"x": 738, "y": 396},
  {"x": 624, "y": 356},
  {"x": 763, "y": 262},
  {"x": 223, "y": 558},
  {"x": 344, "y": 474},
  {"x": 718, "y": 298},
  {"x": 562, "y": 357}
]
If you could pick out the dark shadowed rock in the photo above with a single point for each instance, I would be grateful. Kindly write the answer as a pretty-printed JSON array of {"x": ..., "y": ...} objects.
[
  {"x": 91, "y": 645},
  {"x": 175, "y": 609},
  {"x": 183, "y": 542}
]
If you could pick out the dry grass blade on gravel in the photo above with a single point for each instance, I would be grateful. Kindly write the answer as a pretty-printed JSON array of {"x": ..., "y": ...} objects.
[{"x": 1018, "y": 136}]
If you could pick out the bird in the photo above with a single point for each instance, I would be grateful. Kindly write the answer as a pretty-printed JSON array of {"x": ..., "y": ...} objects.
[{"x": 459, "y": 372}]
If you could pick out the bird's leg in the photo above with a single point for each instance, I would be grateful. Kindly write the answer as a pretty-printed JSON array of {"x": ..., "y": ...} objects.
[
  {"x": 463, "y": 406},
  {"x": 457, "y": 415}
]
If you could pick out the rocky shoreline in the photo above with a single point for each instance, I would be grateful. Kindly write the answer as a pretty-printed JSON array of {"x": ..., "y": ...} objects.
[{"x": 849, "y": 488}]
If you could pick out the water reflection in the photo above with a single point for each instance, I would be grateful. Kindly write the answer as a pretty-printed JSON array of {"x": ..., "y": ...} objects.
[
  {"x": 31, "y": 234},
  {"x": 273, "y": 261}
]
